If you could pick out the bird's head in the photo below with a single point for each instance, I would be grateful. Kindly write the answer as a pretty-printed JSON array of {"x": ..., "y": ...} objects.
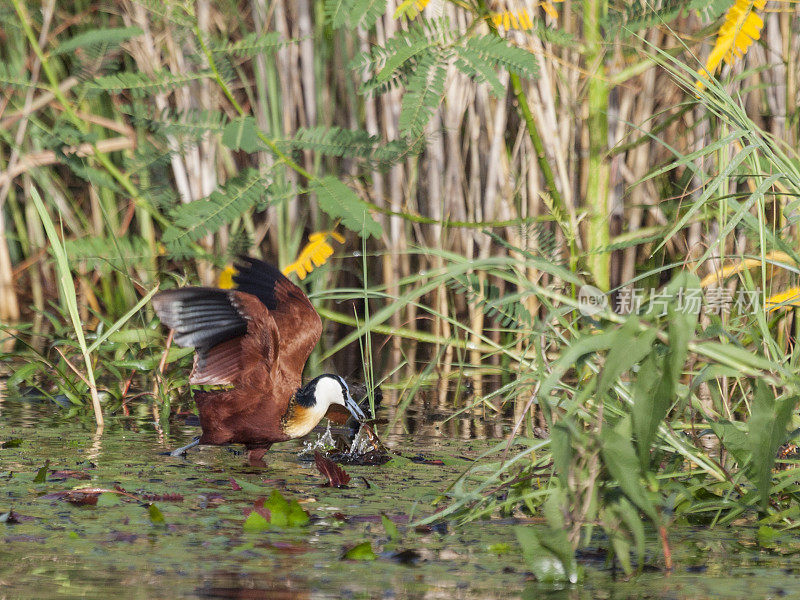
[{"x": 313, "y": 400}]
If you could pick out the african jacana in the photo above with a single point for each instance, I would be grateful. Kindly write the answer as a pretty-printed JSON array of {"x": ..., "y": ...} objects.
[{"x": 255, "y": 338}]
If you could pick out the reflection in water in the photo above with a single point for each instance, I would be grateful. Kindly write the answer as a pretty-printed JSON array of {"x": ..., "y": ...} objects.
[
  {"x": 93, "y": 454},
  {"x": 252, "y": 586},
  {"x": 430, "y": 416}
]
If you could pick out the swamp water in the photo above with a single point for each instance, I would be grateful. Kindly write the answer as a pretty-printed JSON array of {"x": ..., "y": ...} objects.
[{"x": 195, "y": 543}]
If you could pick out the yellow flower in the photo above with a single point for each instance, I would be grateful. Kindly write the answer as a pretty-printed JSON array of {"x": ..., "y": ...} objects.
[
  {"x": 741, "y": 28},
  {"x": 315, "y": 254}
]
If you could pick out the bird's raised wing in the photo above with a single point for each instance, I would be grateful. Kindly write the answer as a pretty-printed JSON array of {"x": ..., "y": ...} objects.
[
  {"x": 295, "y": 317},
  {"x": 235, "y": 337}
]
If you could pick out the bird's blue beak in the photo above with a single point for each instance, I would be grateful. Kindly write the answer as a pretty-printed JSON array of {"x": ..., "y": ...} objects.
[{"x": 354, "y": 408}]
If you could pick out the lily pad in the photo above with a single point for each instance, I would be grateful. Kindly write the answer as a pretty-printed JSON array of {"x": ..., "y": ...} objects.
[{"x": 362, "y": 551}]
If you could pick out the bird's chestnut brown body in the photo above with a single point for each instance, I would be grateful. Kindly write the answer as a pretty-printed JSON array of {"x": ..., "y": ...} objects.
[{"x": 255, "y": 339}]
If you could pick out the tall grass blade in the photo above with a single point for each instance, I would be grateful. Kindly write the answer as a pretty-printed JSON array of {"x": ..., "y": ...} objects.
[{"x": 69, "y": 297}]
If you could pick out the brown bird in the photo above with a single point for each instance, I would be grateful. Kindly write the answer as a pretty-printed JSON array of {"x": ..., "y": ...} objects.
[{"x": 255, "y": 338}]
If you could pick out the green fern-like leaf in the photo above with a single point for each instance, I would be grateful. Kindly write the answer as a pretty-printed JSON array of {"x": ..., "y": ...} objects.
[
  {"x": 711, "y": 10},
  {"x": 252, "y": 45},
  {"x": 364, "y": 13},
  {"x": 97, "y": 177},
  {"x": 402, "y": 54},
  {"x": 148, "y": 159},
  {"x": 15, "y": 79},
  {"x": 106, "y": 254},
  {"x": 354, "y": 13},
  {"x": 636, "y": 16},
  {"x": 497, "y": 51},
  {"x": 240, "y": 243},
  {"x": 141, "y": 85},
  {"x": 540, "y": 239},
  {"x": 196, "y": 219},
  {"x": 555, "y": 36},
  {"x": 277, "y": 192},
  {"x": 335, "y": 141},
  {"x": 350, "y": 143},
  {"x": 474, "y": 65},
  {"x": 96, "y": 39},
  {"x": 162, "y": 196},
  {"x": 338, "y": 11},
  {"x": 423, "y": 95},
  {"x": 388, "y": 66},
  {"x": 340, "y": 202},
  {"x": 65, "y": 134},
  {"x": 365, "y": 63},
  {"x": 226, "y": 68},
  {"x": 242, "y": 134},
  {"x": 397, "y": 151},
  {"x": 179, "y": 14},
  {"x": 193, "y": 124},
  {"x": 508, "y": 311}
]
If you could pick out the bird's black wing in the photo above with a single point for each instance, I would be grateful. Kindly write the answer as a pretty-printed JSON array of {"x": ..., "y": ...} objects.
[
  {"x": 209, "y": 320},
  {"x": 295, "y": 317}
]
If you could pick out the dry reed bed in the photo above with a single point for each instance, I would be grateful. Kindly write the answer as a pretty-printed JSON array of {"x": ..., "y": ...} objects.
[{"x": 478, "y": 164}]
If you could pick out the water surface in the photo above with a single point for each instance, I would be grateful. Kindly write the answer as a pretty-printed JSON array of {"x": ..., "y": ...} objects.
[{"x": 202, "y": 550}]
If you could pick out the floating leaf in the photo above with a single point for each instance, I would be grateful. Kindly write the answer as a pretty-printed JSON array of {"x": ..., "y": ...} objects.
[
  {"x": 390, "y": 527},
  {"x": 297, "y": 516},
  {"x": 107, "y": 499},
  {"x": 255, "y": 522},
  {"x": 41, "y": 474},
  {"x": 283, "y": 513},
  {"x": 337, "y": 477},
  {"x": 156, "y": 517},
  {"x": 362, "y": 551},
  {"x": 245, "y": 486},
  {"x": 501, "y": 548},
  {"x": 278, "y": 509},
  {"x": 767, "y": 535}
]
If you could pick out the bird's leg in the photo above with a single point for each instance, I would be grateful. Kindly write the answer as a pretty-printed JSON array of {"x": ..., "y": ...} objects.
[
  {"x": 255, "y": 456},
  {"x": 182, "y": 450}
]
